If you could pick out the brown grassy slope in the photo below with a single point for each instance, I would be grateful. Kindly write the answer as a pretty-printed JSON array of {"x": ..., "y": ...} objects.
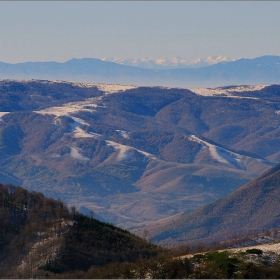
[{"x": 252, "y": 208}]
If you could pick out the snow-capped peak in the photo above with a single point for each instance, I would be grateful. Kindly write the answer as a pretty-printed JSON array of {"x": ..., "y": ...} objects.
[{"x": 174, "y": 62}]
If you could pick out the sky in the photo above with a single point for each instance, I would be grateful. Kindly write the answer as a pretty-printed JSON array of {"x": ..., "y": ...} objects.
[{"x": 62, "y": 30}]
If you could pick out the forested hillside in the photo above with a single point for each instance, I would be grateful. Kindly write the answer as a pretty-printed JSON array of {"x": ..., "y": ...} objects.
[
  {"x": 42, "y": 238},
  {"x": 40, "y": 235}
]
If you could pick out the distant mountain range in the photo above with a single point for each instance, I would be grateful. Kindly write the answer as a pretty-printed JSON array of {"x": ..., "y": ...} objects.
[
  {"x": 167, "y": 63},
  {"x": 261, "y": 70}
]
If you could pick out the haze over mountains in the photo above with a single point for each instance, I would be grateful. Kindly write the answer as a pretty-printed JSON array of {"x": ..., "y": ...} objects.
[
  {"x": 136, "y": 155},
  {"x": 261, "y": 70},
  {"x": 167, "y": 63}
]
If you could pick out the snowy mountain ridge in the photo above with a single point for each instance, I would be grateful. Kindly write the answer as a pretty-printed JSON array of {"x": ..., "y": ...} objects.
[{"x": 175, "y": 62}]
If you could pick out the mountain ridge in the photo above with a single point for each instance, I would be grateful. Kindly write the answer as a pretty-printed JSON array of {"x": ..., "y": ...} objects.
[
  {"x": 136, "y": 155},
  {"x": 165, "y": 63},
  {"x": 261, "y": 70}
]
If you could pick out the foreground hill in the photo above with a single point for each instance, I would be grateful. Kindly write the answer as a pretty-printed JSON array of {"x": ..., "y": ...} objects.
[
  {"x": 136, "y": 155},
  {"x": 253, "y": 208},
  {"x": 38, "y": 232}
]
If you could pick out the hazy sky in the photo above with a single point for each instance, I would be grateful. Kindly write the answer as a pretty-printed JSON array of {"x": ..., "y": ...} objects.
[{"x": 59, "y": 31}]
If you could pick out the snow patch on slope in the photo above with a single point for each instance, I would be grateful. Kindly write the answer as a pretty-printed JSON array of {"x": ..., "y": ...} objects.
[
  {"x": 106, "y": 88},
  {"x": 80, "y": 133},
  {"x": 124, "y": 151},
  {"x": 3, "y": 113},
  {"x": 220, "y": 154},
  {"x": 109, "y": 89},
  {"x": 227, "y": 91},
  {"x": 75, "y": 153},
  {"x": 123, "y": 133},
  {"x": 95, "y": 135},
  {"x": 70, "y": 108}
]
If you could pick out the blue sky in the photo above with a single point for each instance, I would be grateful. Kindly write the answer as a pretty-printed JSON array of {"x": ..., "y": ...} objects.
[{"x": 61, "y": 30}]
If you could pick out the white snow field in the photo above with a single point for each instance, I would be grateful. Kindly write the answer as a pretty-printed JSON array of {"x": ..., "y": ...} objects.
[
  {"x": 75, "y": 153},
  {"x": 227, "y": 91},
  {"x": 124, "y": 151},
  {"x": 3, "y": 113}
]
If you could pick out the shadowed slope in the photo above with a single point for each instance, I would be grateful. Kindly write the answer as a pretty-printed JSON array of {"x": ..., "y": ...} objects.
[{"x": 252, "y": 208}]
